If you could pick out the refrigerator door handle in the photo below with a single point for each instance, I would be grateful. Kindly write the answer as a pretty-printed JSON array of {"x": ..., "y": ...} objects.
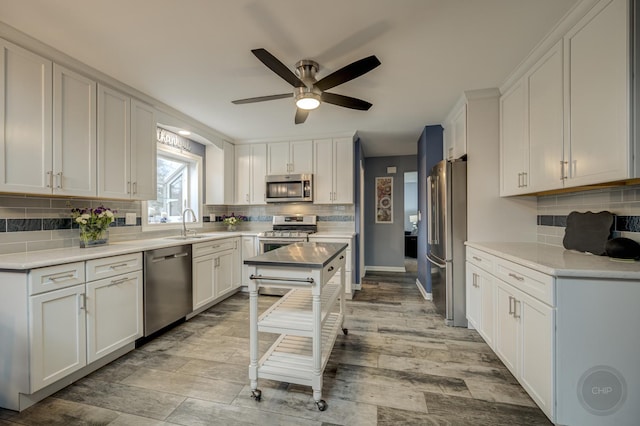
[
  {"x": 429, "y": 212},
  {"x": 436, "y": 262}
]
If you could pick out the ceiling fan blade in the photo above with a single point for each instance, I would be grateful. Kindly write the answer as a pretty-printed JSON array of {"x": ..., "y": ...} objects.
[
  {"x": 278, "y": 67},
  {"x": 262, "y": 98},
  {"x": 301, "y": 115},
  {"x": 351, "y": 71},
  {"x": 345, "y": 101}
]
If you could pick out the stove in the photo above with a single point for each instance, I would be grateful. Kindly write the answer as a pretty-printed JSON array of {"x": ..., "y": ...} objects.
[{"x": 286, "y": 230}]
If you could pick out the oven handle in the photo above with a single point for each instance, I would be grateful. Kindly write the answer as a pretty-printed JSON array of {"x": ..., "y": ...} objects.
[{"x": 296, "y": 280}]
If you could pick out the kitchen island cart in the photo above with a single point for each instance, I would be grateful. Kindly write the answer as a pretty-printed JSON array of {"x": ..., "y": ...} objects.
[{"x": 308, "y": 317}]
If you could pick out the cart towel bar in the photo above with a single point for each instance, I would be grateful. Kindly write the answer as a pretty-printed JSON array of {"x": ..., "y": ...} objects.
[{"x": 297, "y": 280}]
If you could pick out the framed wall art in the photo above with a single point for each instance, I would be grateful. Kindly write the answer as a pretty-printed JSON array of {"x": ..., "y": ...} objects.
[{"x": 384, "y": 200}]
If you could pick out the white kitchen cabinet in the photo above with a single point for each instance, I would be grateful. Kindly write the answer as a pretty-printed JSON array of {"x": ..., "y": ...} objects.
[
  {"x": 74, "y": 134},
  {"x": 57, "y": 335},
  {"x": 555, "y": 117},
  {"x": 215, "y": 267},
  {"x": 333, "y": 171},
  {"x": 598, "y": 96},
  {"x": 290, "y": 157},
  {"x": 220, "y": 170},
  {"x": 251, "y": 169},
  {"x": 480, "y": 295},
  {"x": 114, "y": 313},
  {"x": 26, "y": 99},
  {"x": 455, "y": 131},
  {"x": 126, "y": 147},
  {"x": 514, "y": 147}
]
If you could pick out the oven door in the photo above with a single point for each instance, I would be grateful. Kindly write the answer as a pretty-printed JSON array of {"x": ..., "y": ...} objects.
[{"x": 268, "y": 244}]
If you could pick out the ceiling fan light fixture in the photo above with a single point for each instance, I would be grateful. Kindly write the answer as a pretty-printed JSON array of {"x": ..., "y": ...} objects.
[{"x": 308, "y": 101}]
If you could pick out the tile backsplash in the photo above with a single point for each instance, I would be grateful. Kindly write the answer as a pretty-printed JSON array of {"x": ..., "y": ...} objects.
[
  {"x": 30, "y": 223},
  {"x": 623, "y": 202}
]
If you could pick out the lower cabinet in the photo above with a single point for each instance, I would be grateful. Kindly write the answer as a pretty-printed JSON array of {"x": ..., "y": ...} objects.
[
  {"x": 216, "y": 270},
  {"x": 517, "y": 326}
]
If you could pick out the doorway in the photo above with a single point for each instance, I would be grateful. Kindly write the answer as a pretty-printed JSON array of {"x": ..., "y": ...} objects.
[{"x": 411, "y": 221}]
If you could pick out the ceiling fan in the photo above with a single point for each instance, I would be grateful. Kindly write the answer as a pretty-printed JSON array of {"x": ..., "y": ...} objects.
[{"x": 309, "y": 92}]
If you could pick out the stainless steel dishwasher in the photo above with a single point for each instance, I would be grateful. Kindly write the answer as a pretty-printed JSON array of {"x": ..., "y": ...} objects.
[{"x": 167, "y": 286}]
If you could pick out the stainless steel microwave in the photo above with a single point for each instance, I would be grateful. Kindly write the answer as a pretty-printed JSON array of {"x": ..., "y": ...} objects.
[{"x": 289, "y": 188}]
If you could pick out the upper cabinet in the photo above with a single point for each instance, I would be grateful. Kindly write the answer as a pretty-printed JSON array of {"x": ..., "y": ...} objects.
[
  {"x": 289, "y": 157},
  {"x": 565, "y": 122},
  {"x": 126, "y": 147},
  {"x": 333, "y": 171},
  {"x": 251, "y": 169},
  {"x": 455, "y": 132},
  {"x": 220, "y": 169}
]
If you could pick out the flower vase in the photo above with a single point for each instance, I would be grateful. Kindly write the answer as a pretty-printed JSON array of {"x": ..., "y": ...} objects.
[
  {"x": 231, "y": 228},
  {"x": 90, "y": 237}
]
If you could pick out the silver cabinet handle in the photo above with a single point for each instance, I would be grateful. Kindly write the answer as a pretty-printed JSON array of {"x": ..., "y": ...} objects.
[
  {"x": 119, "y": 281},
  {"x": 81, "y": 302},
  {"x": 61, "y": 277},
  {"x": 563, "y": 175},
  {"x": 511, "y": 309},
  {"x": 135, "y": 187},
  {"x": 120, "y": 265},
  {"x": 517, "y": 277},
  {"x": 515, "y": 304},
  {"x": 128, "y": 187},
  {"x": 519, "y": 180},
  {"x": 476, "y": 258},
  {"x": 50, "y": 179},
  {"x": 59, "y": 180}
]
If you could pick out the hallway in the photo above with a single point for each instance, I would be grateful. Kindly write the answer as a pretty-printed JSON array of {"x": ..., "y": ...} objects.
[{"x": 399, "y": 364}]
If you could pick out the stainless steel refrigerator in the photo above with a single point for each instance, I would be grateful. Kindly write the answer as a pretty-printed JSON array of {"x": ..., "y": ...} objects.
[{"x": 446, "y": 234}]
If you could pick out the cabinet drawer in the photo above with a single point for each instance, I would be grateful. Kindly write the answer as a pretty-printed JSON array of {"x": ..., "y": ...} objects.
[
  {"x": 55, "y": 277},
  {"x": 216, "y": 246},
  {"x": 533, "y": 283},
  {"x": 481, "y": 259},
  {"x": 335, "y": 264},
  {"x": 111, "y": 266}
]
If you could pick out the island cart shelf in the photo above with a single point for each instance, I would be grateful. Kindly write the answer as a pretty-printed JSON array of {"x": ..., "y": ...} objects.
[{"x": 308, "y": 317}]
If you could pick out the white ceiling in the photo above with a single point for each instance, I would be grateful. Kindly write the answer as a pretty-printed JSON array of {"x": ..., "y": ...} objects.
[{"x": 195, "y": 55}]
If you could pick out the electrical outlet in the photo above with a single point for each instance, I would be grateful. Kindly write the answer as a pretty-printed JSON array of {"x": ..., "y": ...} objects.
[
  {"x": 212, "y": 217},
  {"x": 130, "y": 219}
]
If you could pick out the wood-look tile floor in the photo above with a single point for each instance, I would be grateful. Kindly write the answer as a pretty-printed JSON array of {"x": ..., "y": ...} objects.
[{"x": 398, "y": 365}]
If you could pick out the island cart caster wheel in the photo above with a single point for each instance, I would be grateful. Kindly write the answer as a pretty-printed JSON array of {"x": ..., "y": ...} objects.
[
  {"x": 345, "y": 331},
  {"x": 256, "y": 394},
  {"x": 322, "y": 405}
]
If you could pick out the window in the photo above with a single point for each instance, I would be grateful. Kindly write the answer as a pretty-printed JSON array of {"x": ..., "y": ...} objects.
[{"x": 178, "y": 177}]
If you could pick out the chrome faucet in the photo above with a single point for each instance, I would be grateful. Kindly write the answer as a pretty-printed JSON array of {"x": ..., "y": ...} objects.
[{"x": 184, "y": 223}]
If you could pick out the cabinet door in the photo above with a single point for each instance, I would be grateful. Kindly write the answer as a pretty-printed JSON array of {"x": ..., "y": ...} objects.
[
  {"x": 203, "y": 280},
  {"x": 343, "y": 171},
  {"x": 460, "y": 132},
  {"x": 598, "y": 91},
  {"x": 474, "y": 296},
  {"x": 57, "y": 335},
  {"x": 237, "y": 263},
  {"x": 487, "y": 309},
  {"x": 258, "y": 173},
  {"x": 301, "y": 157},
  {"x": 143, "y": 151},
  {"x": 536, "y": 367},
  {"x": 114, "y": 313},
  {"x": 220, "y": 169},
  {"x": 278, "y": 158},
  {"x": 507, "y": 327},
  {"x": 243, "y": 173},
  {"x": 513, "y": 143},
  {"x": 114, "y": 147},
  {"x": 546, "y": 123},
  {"x": 223, "y": 282},
  {"x": 25, "y": 121},
  {"x": 323, "y": 171},
  {"x": 74, "y": 133}
]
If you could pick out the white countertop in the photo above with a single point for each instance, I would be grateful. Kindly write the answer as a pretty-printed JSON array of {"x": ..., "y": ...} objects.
[
  {"x": 329, "y": 234},
  {"x": 41, "y": 258},
  {"x": 559, "y": 262}
]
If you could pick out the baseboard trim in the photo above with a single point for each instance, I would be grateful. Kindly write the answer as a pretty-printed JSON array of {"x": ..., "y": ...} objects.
[
  {"x": 425, "y": 295},
  {"x": 385, "y": 268}
]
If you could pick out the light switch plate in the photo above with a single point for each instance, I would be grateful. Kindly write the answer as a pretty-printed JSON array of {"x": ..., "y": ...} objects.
[{"x": 130, "y": 219}]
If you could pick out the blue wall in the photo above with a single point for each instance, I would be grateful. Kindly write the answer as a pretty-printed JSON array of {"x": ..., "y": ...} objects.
[{"x": 429, "y": 153}]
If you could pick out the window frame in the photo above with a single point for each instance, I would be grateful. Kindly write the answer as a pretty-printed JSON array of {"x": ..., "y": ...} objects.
[{"x": 194, "y": 195}]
